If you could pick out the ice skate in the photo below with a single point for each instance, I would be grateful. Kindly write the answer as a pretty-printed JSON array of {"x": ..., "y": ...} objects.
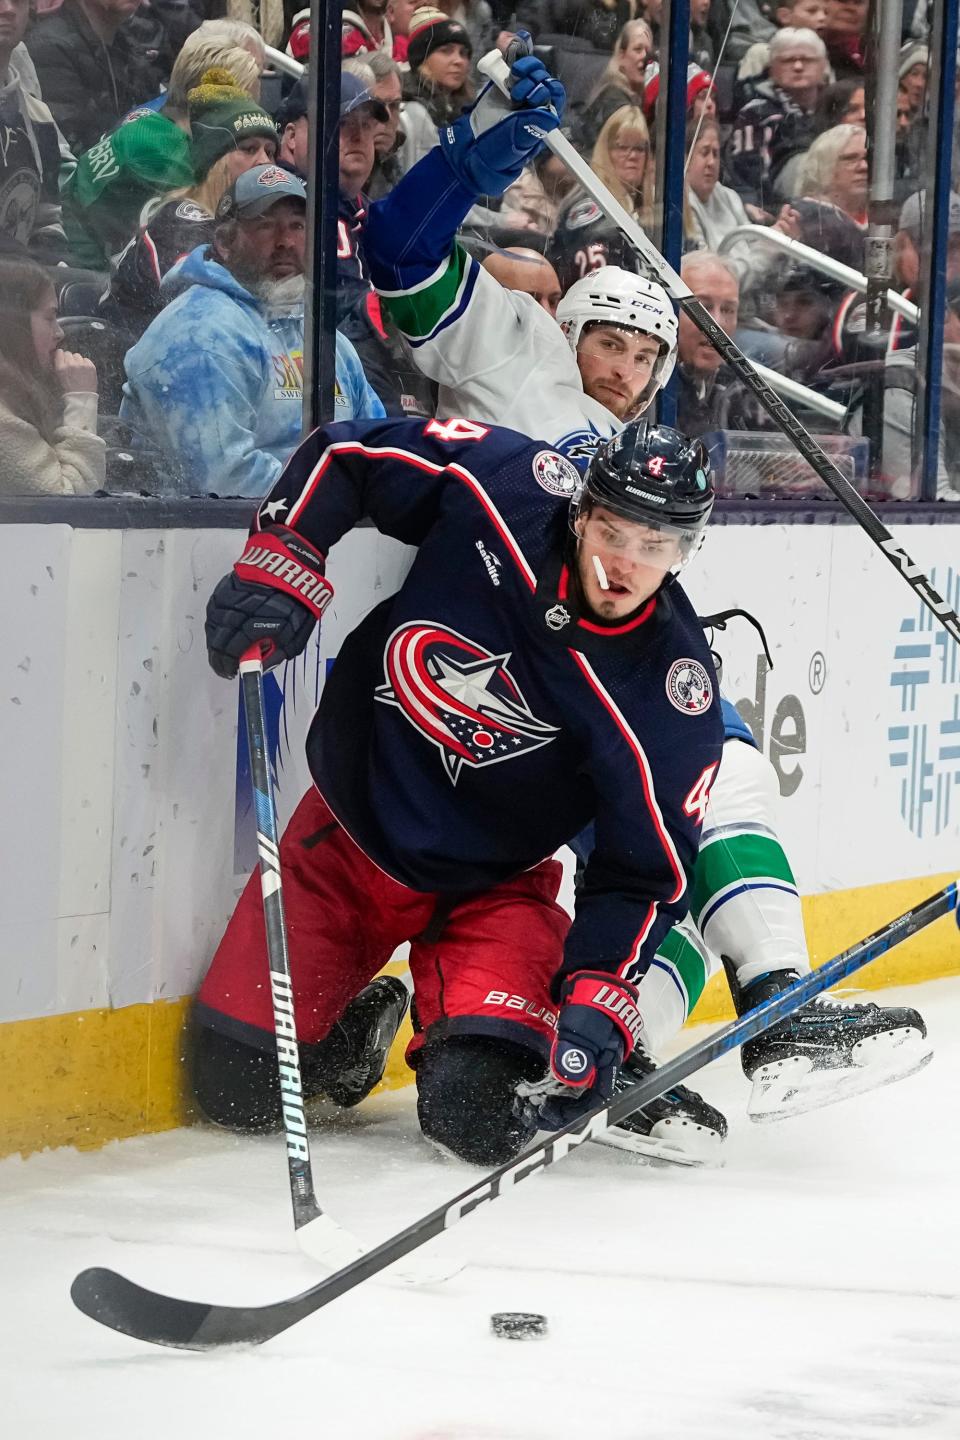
[
  {"x": 678, "y": 1127},
  {"x": 370, "y": 1024},
  {"x": 827, "y": 1051}
]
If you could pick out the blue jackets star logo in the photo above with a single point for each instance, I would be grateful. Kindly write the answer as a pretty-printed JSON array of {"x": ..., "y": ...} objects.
[{"x": 459, "y": 696}]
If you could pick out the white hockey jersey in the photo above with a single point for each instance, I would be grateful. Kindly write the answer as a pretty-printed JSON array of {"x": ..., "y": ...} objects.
[{"x": 496, "y": 355}]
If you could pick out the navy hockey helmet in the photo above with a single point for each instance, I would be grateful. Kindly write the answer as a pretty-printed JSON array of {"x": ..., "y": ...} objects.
[{"x": 656, "y": 478}]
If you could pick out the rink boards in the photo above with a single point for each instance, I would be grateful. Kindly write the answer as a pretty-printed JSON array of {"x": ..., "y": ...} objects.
[{"x": 128, "y": 834}]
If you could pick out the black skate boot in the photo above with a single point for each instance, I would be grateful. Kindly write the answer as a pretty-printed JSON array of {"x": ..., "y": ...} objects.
[
  {"x": 369, "y": 1027},
  {"x": 826, "y": 1051},
  {"x": 679, "y": 1126}
]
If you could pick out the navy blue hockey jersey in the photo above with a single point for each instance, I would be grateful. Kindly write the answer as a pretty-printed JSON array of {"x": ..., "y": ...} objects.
[{"x": 475, "y": 721}]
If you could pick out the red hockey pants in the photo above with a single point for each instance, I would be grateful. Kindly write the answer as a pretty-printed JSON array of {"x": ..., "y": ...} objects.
[{"x": 481, "y": 967}]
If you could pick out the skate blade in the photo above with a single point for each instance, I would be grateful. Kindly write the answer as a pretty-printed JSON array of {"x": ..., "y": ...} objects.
[
  {"x": 793, "y": 1087},
  {"x": 675, "y": 1142}
]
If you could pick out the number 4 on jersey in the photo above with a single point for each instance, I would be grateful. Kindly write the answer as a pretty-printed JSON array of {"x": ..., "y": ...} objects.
[
  {"x": 697, "y": 801},
  {"x": 454, "y": 430}
]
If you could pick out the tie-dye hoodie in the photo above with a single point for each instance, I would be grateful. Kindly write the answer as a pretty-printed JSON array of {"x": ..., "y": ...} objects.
[{"x": 216, "y": 381}]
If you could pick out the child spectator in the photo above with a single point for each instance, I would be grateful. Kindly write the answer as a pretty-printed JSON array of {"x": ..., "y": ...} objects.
[
  {"x": 93, "y": 66},
  {"x": 585, "y": 239},
  {"x": 621, "y": 83},
  {"x": 32, "y": 149},
  {"x": 229, "y": 134},
  {"x": 48, "y": 397},
  {"x": 149, "y": 154},
  {"x": 778, "y": 123}
]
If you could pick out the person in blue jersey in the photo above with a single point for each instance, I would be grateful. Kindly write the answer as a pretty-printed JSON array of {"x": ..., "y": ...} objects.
[
  {"x": 216, "y": 379},
  {"x": 499, "y": 357},
  {"x": 539, "y": 669}
]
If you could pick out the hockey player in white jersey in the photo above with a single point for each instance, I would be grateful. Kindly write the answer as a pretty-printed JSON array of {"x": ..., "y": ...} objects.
[{"x": 499, "y": 357}]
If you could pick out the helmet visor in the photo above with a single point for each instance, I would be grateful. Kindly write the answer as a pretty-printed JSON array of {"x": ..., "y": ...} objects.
[{"x": 621, "y": 544}]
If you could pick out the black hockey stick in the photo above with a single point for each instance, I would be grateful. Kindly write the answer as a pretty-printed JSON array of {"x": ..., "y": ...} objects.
[
  {"x": 317, "y": 1234},
  {"x": 188, "y": 1325},
  {"x": 495, "y": 67}
]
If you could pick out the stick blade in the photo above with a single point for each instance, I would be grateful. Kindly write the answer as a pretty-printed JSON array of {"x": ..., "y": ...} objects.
[
  {"x": 130, "y": 1309},
  {"x": 143, "y": 1314}
]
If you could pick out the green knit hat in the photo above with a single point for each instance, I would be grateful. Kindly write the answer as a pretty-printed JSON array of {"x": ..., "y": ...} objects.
[{"x": 221, "y": 115}]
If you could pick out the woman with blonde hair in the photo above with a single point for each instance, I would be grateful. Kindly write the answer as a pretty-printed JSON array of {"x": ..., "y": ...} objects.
[
  {"x": 229, "y": 134},
  {"x": 832, "y": 179},
  {"x": 149, "y": 152},
  {"x": 584, "y": 238},
  {"x": 621, "y": 83},
  {"x": 48, "y": 397},
  {"x": 834, "y": 171}
]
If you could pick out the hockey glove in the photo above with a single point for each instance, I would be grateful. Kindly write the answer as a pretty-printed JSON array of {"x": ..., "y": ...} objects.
[
  {"x": 275, "y": 593},
  {"x": 488, "y": 146},
  {"x": 597, "y": 1028}
]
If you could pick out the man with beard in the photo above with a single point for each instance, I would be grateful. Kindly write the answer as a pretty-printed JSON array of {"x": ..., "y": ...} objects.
[{"x": 216, "y": 380}]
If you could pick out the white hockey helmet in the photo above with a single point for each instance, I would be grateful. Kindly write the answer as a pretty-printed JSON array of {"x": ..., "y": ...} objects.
[{"x": 613, "y": 296}]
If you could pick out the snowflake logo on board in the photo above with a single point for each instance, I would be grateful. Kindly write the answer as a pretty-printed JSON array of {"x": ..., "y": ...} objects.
[{"x": 925, "y": 742}]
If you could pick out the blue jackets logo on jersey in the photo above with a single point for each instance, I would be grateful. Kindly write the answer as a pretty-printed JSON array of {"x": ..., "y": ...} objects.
[
  {"x": 460, "y": 697},
  {"x": 689, "y": 689}
]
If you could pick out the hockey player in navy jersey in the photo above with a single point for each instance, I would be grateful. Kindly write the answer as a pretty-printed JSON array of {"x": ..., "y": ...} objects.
[
  {"x": 498, "y": 356},
  {"x": 539, "y": 669}
]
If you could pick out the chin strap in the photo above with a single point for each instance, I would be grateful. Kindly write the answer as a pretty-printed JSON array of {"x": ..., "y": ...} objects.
[{"x": 719, "y": 622}]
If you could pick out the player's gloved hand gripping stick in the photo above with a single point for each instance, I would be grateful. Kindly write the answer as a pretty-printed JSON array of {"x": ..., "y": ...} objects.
[
  {"x": 488, "y": 146},
  {"x": 190, "y": 1325},
  {"x": 495, "y": 68},
  {"x": 597, "y": 1027}
]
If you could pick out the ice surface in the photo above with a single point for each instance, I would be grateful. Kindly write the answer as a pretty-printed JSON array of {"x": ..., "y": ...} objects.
[{"x": 807, "y": 1291}]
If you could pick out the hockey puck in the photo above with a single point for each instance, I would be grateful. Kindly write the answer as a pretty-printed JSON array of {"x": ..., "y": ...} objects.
[{"x": 517, "y": 1325}]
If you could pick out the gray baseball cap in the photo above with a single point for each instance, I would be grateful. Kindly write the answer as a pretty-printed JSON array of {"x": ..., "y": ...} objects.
[
  {"x": 253, "y": 192},
  {"x": 913, "y": 213}
]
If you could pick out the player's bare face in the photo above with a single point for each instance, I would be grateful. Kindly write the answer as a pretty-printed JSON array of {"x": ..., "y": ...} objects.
[
  {"x": 620, "y": 563},
  {"x": 616, "y": 365}
]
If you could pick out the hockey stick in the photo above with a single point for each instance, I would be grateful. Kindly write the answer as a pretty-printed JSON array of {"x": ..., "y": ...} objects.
[
  {"x": 495, "y": 67},
  {"x": 132, "y": 1310},
  {"x": 317, "y": 1234}
]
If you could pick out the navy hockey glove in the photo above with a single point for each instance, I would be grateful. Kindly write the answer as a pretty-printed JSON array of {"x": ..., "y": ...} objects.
[
  {"x": 275, "y": 593},
  {"x": 488, "y": 146},
  {"x": 598, "y": 1026}
]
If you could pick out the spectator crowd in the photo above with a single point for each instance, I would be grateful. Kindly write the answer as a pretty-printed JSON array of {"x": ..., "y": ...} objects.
[{"x": 153, "y": 192}]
